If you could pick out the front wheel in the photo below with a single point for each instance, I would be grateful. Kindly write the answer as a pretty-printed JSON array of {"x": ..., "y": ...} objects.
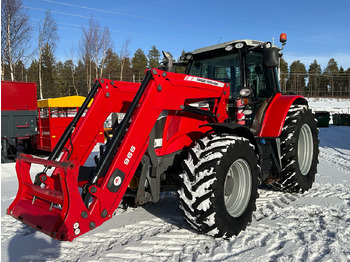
[{"x": 219, "y": 185}]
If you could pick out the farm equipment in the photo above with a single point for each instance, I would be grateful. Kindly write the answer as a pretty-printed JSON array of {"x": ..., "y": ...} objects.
[
  {"x": 18, "y": 117},
  {"x": 28, "y": 125},
  {"x": 213, "y": 135},
  {"x": 54, "y": 115}
]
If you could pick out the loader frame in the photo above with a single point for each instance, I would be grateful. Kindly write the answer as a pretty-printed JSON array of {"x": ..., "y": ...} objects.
[{"x": 57, "y": 196}]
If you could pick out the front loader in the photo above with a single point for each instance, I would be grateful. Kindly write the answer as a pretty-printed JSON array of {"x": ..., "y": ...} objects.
[{"x": 213, "y": 135}]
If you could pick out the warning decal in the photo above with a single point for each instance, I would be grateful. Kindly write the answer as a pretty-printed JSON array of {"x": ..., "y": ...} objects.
[{"x": 204, "y": 81}]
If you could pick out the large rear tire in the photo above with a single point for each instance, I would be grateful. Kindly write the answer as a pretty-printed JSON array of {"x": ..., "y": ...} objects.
[
  {"x": 219, "y": 185},
  {"x": 299, "y": 150}
]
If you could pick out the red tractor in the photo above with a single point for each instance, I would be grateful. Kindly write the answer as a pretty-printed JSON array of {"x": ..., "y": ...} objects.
[{"x": 213, "y": 135}]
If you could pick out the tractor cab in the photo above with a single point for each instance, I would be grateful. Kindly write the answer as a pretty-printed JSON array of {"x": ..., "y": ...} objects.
[{"x": 249, "y": 66}]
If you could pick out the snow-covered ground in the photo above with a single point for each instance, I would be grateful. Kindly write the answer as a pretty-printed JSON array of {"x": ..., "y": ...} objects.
[
  {"x": 314, "y": 226},
  {"x": 331, "y": 105}
]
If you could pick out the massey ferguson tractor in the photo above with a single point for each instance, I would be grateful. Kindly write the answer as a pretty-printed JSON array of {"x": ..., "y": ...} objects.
[{"x": 214, "y": 135}]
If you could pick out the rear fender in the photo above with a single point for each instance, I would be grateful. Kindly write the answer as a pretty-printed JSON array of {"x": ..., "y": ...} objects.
[{"x": 269, "y": 123}]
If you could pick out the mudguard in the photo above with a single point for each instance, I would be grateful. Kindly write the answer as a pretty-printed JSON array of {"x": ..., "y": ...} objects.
[
  {"x": 234, "y": 128},
  {"x": 271, "y": 115}
]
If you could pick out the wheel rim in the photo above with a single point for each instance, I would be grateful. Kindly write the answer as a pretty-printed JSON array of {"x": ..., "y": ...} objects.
[
  {"x": 237, "y": 188},
  {"x": 305, "y": 149}
]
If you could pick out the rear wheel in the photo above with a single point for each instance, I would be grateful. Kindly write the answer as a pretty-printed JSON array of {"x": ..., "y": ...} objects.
[
  {"x": 299, "y": 150},
  {"x": 219, "y": 185}
]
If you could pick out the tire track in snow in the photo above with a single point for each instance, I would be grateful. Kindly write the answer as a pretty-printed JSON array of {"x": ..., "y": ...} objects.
[
  {"x": 270, "y": 202},
  {"x": 336, "y": 157},
  {"x": 334, "y": 147},
  {"x": 111, "y": 245},
  {"x": 315, "y": 227},
  {"x": 286, "y": 226}
]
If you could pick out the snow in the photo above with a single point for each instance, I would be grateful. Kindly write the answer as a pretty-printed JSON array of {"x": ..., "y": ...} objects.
[
  {"x": 314, "y": 226},
  {"x": 332, "y": 105}
]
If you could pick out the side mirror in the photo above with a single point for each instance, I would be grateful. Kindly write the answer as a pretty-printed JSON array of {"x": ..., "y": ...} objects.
[{"x": 271, "y": 56}]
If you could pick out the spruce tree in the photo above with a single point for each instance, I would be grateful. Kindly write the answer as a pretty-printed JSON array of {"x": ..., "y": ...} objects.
[
  {"x": 314, "y": 78},
  {"x": 153, "y": 57},
  {"x": 139, "y": 64},
  {"x": 331, "y": 72},
  {"x": 48, "y": 71},
  {"x": 297, "y": 77}
]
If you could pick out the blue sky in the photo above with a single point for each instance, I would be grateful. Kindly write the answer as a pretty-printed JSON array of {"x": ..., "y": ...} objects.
[{"x": 315, "y": 29}]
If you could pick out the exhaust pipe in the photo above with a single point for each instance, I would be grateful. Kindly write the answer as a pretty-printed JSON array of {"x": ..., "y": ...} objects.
[{"x": 169, "y": 62}]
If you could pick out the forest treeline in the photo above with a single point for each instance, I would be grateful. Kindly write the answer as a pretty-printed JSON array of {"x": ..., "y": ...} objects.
[{"x": 97, "y": 58}]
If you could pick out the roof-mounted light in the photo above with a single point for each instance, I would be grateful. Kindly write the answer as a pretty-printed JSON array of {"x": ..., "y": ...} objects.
[
  {"x": 229, "y": 48},
  {"x": 239, "y": 45},
  {"x": 283, "y": 38}
]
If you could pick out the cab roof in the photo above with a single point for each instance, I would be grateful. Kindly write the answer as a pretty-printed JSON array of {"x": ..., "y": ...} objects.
[{"x": 247, "y": 42}]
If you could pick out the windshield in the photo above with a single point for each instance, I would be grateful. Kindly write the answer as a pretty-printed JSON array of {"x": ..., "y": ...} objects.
[
  {"x": 224, "y": 68},
  {"x": 227, "y": 69}
]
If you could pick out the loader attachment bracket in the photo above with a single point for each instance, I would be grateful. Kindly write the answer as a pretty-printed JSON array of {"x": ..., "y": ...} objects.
[{"x": 56, "y": 212}]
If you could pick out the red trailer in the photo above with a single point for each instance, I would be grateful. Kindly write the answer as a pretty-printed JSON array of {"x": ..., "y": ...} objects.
[
  {"x": 54, "y": 115},
  {"x": 18, "y": 116}
]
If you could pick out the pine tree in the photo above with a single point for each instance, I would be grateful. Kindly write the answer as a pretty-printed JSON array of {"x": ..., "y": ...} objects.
[
  {"x": 48, "y": 72},
  {"x": 69, "y": 76},
  {"x": 314, "y": 78},
  {"x": 111, "y": 65},
  {"x": 65, "y": 78},
  {"x": 32, "y": 73},
  {"x": 341, "y": 80},
  {"x": 80, "y": 77},
  {"x": 330, "y": 73},
  {"x": 297, "y": 77},
  {"x": 347, "y": 85},
  {"x": 20, "y": 71},
  {"x": 139, "y": 64},
  {"x": 153, "y": 57},
  {"x": 127, "y": 70}
]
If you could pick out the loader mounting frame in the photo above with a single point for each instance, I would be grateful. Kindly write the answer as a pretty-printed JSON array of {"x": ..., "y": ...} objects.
[{"x": 64, "y": 207}]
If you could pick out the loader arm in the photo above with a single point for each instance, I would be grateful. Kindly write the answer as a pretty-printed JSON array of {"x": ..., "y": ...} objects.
[{"x": 55, "y": 205}]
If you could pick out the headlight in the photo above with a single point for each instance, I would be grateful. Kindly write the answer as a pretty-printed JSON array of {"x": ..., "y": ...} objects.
[
  {"x": 247, "y": 111},
  {"x": 245, "y": 92}
]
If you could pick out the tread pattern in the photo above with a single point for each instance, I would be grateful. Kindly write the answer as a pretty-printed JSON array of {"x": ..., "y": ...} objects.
[
  {"x": 199, "y": 181},
  {"x": 290, "y": 175}
]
